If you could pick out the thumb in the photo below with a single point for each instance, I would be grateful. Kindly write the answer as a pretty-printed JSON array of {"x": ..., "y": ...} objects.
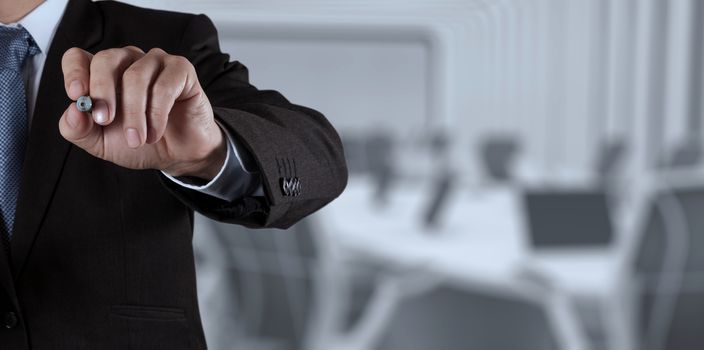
[{"x": 78, "y": 128}]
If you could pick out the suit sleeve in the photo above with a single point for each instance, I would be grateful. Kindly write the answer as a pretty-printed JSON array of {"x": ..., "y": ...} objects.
[{"x": 287, "y": 143}]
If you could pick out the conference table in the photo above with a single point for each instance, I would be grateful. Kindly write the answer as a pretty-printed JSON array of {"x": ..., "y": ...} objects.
[{"x": 480, "y": 241}]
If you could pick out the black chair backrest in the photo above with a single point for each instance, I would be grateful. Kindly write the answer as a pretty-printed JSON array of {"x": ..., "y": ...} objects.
[
  {"x": 687, "y": 154},
  {"x": 684, "y": 331},
  {"x": 497, "y": 155},
  {"x": 451, "y": 318},
  {"x": 610, "y": 157},
  {"x": 270, "y": 281}
]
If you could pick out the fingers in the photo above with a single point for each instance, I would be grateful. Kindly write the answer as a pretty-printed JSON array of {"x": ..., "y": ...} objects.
[
  {"x": 140, "y": 89},
  {"x": 177, "y": 81},
  {"x": 78, "y": 128},
  {"x": 106, "y": 73},
  {"x": 166, "y": 90},
  {"x": 76, "y": 67},
  {"x": 137, "y": 81}
]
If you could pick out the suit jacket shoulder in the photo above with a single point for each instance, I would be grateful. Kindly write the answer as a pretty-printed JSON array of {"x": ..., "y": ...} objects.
[{"x": 126, "y": 24}]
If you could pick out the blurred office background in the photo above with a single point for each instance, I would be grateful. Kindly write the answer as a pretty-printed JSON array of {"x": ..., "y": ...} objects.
[{"x": 525, "y": 174}]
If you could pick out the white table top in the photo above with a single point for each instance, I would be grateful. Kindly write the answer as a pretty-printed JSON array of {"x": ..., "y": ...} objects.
[{"x": 482, "y": 237}]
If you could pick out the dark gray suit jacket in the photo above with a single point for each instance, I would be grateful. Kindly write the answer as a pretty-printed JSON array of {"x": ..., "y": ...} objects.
[{"x": 101, "y": 256}]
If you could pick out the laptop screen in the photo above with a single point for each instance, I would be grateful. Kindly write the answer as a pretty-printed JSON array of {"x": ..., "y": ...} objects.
[{"x": 568, "y": 219}]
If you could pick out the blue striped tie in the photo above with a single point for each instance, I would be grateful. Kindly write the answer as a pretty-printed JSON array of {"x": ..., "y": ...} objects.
[{"x": 16, "y": 46}]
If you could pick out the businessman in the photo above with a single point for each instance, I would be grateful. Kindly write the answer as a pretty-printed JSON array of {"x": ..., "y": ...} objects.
[{"x": 97, "y": 208}]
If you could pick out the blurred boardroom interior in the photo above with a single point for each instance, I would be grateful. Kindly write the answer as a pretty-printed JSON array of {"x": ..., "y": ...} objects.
[{"x": 524, "y": 174}]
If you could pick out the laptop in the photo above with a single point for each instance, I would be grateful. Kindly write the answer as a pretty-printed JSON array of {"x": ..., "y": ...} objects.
[{"x": 568, "y": 219}]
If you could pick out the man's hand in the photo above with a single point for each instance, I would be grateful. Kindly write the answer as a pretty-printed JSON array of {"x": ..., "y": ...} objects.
[{"x": 149, "y": 112}]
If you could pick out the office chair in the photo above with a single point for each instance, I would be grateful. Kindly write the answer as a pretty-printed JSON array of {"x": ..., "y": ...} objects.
[
  {"x": 686, "y": 154},
  {"x": 669, "y": 269},
  {"x": 497, "y": 155},
  {"x": 355, "y": 153},
  {"x": 453, "y": 318},
  {"x": 264, "y": 290},
  {"x": 379, "y": 151},
  {"x": 610, "y": 157}
]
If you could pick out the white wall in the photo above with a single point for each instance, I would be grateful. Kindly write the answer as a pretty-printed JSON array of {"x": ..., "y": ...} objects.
[{"x": 539, "y": 69}]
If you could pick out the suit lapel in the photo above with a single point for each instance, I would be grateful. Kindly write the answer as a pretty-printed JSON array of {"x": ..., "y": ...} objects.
[{"x": 46, "y": 153}]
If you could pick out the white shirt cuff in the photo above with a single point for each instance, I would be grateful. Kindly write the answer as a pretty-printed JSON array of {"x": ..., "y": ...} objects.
[{"x": 233, "y": 181}]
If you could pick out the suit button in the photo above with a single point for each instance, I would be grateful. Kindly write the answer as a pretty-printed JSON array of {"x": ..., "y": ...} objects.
[
  {"x": 290, "y": 186},
  {"x": 10, "y": 320}
]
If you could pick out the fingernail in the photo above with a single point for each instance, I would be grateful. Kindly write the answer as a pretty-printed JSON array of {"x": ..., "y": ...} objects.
[
  {"x": 75, "y": 88},
  {"x": 132, "y": 137},
  {"x": 72, "y": 119},
  {"x": 100, "y": 112}
]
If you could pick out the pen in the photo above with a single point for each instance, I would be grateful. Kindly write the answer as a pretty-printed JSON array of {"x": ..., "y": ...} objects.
[{"x": 84, "y": 104}]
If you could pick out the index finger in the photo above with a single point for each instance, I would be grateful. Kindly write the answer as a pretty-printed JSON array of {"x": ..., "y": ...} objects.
[{"x": 76, "y": 67}]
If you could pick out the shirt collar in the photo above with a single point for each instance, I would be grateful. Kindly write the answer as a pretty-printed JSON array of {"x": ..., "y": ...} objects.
[{"x": 42, "y": 22}]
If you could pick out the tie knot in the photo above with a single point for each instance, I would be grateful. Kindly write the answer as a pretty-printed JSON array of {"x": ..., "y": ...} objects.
[{"x": 16, "y": 45}]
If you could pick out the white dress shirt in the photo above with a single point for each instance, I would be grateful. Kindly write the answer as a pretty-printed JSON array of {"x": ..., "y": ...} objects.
[{"x": 233, "y": 180}]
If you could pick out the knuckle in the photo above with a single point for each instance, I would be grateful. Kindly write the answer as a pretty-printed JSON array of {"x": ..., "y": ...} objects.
[
  {"x": 178, "y": 62},
  {"x": 71, "y": 53},
  {"x": 133, "y": 49},
  {"x": 75, "y": 73},
  {"x": 134, "y": 75},
  {"x": 156, "y": 52},
  {"x": 163, "y": 89},
  {"x": 106, "y": 58},
  {"x": 132, "y": 113},
  {"x": 157, "y": 113},
  {"x": 112, "y": 56},
  {"x": 109, "y": 55}
]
